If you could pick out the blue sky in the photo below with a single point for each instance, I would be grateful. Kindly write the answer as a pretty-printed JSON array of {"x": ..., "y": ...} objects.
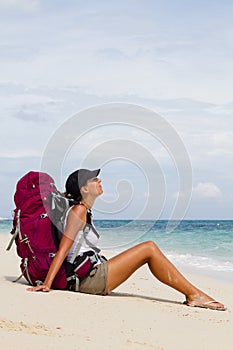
[{"x": 173, "y": 57}]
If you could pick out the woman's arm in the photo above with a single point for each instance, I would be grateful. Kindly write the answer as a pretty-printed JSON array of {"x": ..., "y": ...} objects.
[{"x": 75, "y": 222}]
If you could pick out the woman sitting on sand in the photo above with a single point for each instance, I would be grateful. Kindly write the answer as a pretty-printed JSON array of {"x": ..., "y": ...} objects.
[{"x": 84, "y": 187}]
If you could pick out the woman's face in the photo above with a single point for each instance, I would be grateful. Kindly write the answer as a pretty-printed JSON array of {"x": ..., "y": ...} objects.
[{"x": 94, "y": 186}]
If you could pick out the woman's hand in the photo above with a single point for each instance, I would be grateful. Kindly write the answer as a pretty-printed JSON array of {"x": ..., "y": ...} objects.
[{"x": 41, "y": 288}]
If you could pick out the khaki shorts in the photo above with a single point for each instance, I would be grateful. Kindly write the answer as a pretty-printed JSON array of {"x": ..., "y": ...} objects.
[{"x": 96, "y": 281}]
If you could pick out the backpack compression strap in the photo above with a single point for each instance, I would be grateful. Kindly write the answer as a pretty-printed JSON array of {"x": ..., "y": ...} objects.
[{"x": 17, "y": 231}]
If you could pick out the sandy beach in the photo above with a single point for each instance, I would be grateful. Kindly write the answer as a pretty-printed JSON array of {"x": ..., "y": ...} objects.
[{"x": 141, "y": 314}]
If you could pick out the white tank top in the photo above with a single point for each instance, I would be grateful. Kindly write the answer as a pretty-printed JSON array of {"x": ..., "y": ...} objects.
[{"x": 84, "y": 246}]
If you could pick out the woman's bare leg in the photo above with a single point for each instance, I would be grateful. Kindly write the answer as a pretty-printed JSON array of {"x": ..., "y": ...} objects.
[{"x": 122, "y": 266}]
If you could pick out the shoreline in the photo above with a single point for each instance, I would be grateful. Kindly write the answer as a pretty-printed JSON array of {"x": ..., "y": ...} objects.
[
  {"x": 185, "y": 268},
  {"x": 224, "y": 276},
  {"x": 140, "y": 314}
]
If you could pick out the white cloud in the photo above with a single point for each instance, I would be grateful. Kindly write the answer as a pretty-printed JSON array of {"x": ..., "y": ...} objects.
[
  {"x": 20, "y": 154},
  {"x": 25, "y": 99},
  {"x": 22, "y": 5},
  {"x": 226, "y": 110},
  {"x": 206, "y": 190}
]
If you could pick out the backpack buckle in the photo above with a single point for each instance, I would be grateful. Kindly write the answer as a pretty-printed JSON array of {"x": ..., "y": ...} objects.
[{"x": 43, "y": 216}]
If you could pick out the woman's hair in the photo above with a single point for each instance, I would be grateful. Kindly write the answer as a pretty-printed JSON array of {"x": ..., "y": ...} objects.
[{"x": 72, "y": 187}]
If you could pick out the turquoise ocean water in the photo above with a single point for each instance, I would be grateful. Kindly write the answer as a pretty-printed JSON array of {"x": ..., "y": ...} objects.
[{"x": 203, "y": 246}]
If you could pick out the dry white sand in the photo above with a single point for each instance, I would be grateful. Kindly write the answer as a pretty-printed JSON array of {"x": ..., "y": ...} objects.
[{"x": 141, "y": 314}]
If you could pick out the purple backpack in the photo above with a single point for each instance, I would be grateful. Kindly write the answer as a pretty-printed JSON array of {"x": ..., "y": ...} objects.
[{"x": 32, "y": 228}]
